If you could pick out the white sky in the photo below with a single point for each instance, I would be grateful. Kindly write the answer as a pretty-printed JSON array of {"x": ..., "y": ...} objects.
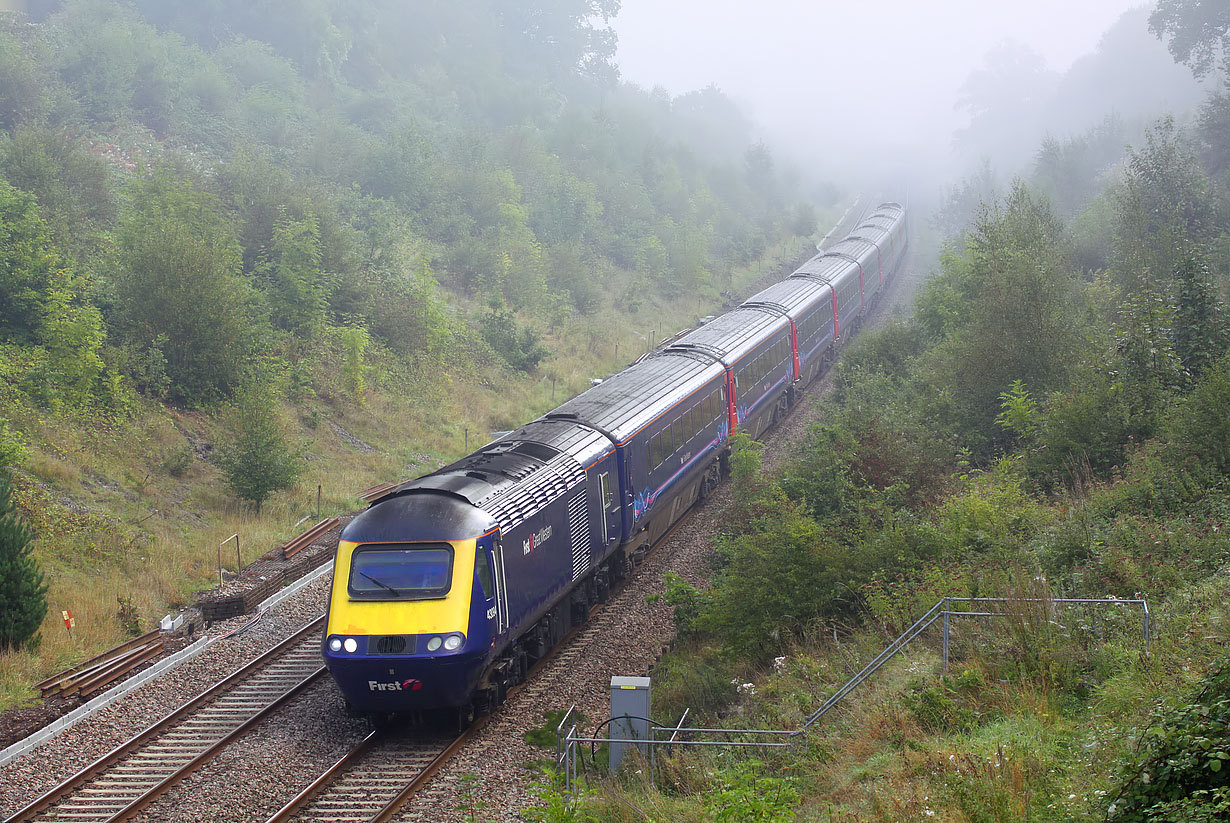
[{"x": 781, "y": 59}]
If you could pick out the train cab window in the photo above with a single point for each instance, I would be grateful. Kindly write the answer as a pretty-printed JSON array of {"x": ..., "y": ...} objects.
[
  {"x": 482, "y": 568},
  {"x": 401, "y": 571}
]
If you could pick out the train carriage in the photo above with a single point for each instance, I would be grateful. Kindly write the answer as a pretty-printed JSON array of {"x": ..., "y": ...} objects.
[
  {"x": 754, "y": 345},
  {"x": 812, "y": 309},
  {"x": 668, "y": 418},
  {"x": 844, "y": 275}
]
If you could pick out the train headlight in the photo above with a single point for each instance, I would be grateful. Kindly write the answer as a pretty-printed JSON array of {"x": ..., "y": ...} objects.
[
  {"x": 433, "y": 645},
  {"x": 335, "y": 644},
  {"x": 453, "y": 642},
  {"x": 351, "y": 645}
]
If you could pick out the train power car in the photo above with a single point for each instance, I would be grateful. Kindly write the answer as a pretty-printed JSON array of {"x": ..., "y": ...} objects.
[{"x": 448, "y": 587}]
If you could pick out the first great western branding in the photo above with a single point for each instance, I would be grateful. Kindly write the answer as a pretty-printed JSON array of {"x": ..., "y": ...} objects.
[{"x": 536, "y": 539}]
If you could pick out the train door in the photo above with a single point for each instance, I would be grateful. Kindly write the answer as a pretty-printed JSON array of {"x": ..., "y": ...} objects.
[
  {"x": 485, "y": 575},
  {"x": 610, "y": 508},
  {"x": 501, "y": 588}
]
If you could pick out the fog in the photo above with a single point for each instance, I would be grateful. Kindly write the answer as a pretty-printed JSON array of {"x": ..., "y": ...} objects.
[{"x": 864, "y": 93}]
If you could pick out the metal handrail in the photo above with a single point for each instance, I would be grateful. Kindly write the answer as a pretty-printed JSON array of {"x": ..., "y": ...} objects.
[{"x": 566, "y": 744}]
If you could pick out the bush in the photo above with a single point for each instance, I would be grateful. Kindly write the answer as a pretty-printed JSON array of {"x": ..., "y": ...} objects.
[
  {"x": 1200, "y": 426},
  {"x": 520, "y": 346},
  {"x": 1184, "y": 775},
  {"x": 256, "y": 458}
]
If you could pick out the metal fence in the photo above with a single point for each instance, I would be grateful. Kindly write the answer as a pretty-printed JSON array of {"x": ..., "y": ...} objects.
[{"x": 569, "y": 742}]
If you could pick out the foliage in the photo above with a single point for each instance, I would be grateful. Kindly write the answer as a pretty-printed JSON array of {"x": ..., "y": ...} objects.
[
  {"x": 354, "y": 340},
  {"x": 1019, "y": 410},
  {"x": 296, "y": 287},
  {"x": 28, "y": 265},
  {"x": 1163, "y": 208},
  {"x": 1017, "y": 325},
  {"x": 1199, "y": 326},
  {"x": 555, "y": 806},
  {"x": 1148, "y": 366},
  {"x": 684, "y": 599},
  {"x": 744, "y": 793},
  {"x": 255, "y": 457},
  {"x": 520, "y": 346},
  {"x": 129, "y": 616},
  {"x": 1197, "y": 31},
  {"x": 12, "y": 449},
  {"x": 180, "y": 291},
  {"x": 1199, "y": 427},
  {"x": 745, "y": 457},
  {"x": 22, "y": 590},
  {"x": 1183, "y": 774}
]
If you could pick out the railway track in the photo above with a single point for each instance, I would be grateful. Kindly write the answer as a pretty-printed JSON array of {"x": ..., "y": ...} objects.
[
  {"x": 374, "y": 779},
  {"x": 124, "y": 781},
  {"x": 372, "y": 782}
]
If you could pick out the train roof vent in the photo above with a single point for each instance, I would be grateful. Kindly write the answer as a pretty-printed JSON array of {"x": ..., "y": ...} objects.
[
  {"x": 539, "y": 451},
  {"x": 478, "y": 476}
]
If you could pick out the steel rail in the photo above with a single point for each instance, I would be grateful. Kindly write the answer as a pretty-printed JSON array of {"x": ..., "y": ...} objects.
[
  {"x": 116, "y": 755},
  {"x": 142, "y": 802}
]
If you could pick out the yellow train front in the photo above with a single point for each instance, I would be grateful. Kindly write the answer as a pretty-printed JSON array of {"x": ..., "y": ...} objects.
[{"x": 412, "y": 613}]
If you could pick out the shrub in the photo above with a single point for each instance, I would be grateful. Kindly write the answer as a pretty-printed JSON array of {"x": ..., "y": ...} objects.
[
  {"x": 1184, "y": 774},
  {"x": 256, "y": 458},
  {"x": 1200, "y": 426},
  {"x": 520, "y": 346}
]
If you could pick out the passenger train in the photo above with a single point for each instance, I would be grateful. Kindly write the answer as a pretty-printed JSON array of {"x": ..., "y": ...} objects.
[{"x": 449, "y": 587}]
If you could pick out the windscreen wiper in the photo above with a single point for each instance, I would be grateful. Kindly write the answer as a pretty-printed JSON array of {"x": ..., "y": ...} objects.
[{"x": 380, "y": 583}]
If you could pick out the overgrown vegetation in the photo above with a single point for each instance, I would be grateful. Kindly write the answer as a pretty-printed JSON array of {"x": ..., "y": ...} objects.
[
  {"x": 1051, "y": 423},
  {"x": 387, "y": 216}
]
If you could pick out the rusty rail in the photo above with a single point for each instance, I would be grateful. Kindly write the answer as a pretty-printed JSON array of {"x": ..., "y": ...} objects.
[
  {"x": 70, "y": 679},
  {"x": 298, "y": 544},
  {"x": 370, "y": 494}
]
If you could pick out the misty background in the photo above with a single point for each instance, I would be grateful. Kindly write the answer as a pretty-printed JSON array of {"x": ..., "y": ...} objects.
[{"x": 939, "y": 89}]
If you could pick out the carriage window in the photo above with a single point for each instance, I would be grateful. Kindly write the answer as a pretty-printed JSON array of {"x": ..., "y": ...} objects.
[
  {"x": 482, "y": 567},
  {"x": 401, "y": 571},
  {"x": 655, "y": 451}
]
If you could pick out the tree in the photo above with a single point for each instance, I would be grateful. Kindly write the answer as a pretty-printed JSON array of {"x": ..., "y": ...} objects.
[
  {"x": 179, "y": 281},
  {"x": 1198, "y": 31},
  {"x": 1214, "y": 128},
  {"x": 1200, "y": 427},
  {"x": 23, "y": 601},
  {"x": 255, "y": 456},
  {"x": 28, "y": 264},
  {"x": 1017, "y": 323},
  {"x": 1199, "y": 330},
  {"x": 297, "y": 288},
  {"x": 1163, "y": 209}
]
